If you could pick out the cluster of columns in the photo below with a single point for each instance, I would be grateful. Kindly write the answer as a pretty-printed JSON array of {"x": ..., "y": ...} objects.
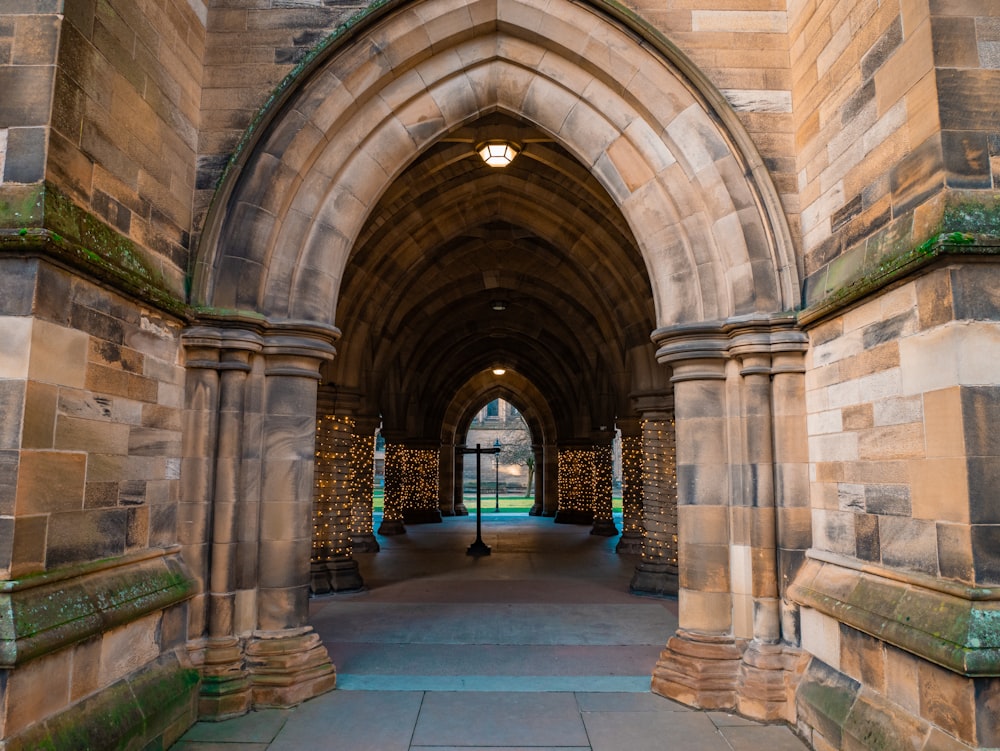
[
  {"x": 584, "y": 485},
  {"x": 245, "y": 511},
  {"x": 742, "y": 479}
]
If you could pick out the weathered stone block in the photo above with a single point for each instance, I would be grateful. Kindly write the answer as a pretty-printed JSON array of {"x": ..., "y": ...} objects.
[{"x": 50, "y": 481}]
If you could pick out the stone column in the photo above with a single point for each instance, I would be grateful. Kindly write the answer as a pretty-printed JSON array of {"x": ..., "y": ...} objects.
[
  {"x": 550, "y": 479},
  {"x": 769, "y": 668},
  {"x": 219, "y": 362},
  {"x": 632, "y": 494},
  {"x": 446, "y": 479},
  {"x": 363, "y": 485},
  {"x": 458, "y": 488},
  {"x": 604, "y": 523},
  {"x": 657, "y": 571},
  {"x": 333, "y": 567},
  {"x": 700, "y": 663},
  {"x": 539, "y": 504},
  {"x": 420, "y": 491},
  {"x": 392, "y": 502},
  {"x": 576, "y": 484},
  {"x": 286, "y": 659}
]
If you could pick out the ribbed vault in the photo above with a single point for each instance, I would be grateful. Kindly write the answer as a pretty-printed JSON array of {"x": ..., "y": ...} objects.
[{"x": 359, "y": 202}]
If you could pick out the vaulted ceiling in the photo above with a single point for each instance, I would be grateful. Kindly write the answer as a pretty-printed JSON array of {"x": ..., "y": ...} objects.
[{"x": 451, "y": 241}]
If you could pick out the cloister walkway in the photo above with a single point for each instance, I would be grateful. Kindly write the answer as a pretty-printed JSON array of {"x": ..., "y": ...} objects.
[{"x": 536, "y": 646}]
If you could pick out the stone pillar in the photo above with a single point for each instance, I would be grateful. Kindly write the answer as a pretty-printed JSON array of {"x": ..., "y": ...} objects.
[
  {"x": 286, "y": 660},
  {"x": 333, "y": 567},
  {"x": 219, "y": 364},
  {"x": 604, "y": 522},
  {"x": 632, "y": 494},
  {"x": 539, "y": 504},
  {"x": 576, "y": 484},
  {"x": 363, "y": 485},
  {"x": 392, "y": 502},
  {"x": 770, "y": 669},
  {"x": 550, "y": 479},
  {"x": 700, "y": 663},
  {"x": 657, "y": 571},
  {"x": 419, "y": 487},
  {"x": 446, "y": 479},
  {"x": 458, "y": 488}
]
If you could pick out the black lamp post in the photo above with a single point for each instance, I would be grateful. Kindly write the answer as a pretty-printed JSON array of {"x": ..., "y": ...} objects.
[{"x": 496, "y": 462}]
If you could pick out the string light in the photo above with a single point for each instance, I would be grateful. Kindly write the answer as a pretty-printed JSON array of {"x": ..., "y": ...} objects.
[
  {"x": 411, "y": 481},
  {"x": 602, "y": 469},
  {"x": 332, "y": 497},
  {"x": 362, "y": 464},
  {"x": 659, "y": 488},
  {"x": 632, "y": 500},
  {"x": 577, "y": 492}
]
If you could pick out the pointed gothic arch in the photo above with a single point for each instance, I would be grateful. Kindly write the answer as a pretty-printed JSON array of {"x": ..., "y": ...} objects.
[{"x": 618, "y": 97}]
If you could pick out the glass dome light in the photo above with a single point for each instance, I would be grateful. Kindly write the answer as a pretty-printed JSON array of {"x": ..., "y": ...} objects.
[{"x": 498, "y": 153}]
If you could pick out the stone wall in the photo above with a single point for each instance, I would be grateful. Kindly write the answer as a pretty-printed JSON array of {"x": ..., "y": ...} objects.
[
  {"x": 124, "y": 129},
  {"x": 899, "y": 592},
  {"x": 887, "y": 137},
  {"x": 91, "y": 422},
  {"x": 94, "y": 612}
]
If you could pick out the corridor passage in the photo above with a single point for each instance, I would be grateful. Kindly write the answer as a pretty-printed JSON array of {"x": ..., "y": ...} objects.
[{"x": 536, "y": 646}]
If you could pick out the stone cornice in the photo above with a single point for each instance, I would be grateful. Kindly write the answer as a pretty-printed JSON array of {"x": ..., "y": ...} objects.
[
  {"x": 951, "y": 625},
  {"x": 43, "y": 613}
]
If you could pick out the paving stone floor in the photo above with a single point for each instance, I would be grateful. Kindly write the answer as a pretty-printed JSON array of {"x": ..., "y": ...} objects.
[{"x": 536, "y": 646}]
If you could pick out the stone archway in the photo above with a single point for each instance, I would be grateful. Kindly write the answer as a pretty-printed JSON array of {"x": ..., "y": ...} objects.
[{"x": 679, "y": 218}]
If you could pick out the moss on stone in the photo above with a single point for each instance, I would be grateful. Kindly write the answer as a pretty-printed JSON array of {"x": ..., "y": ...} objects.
[{"x": 46, "y": 220}]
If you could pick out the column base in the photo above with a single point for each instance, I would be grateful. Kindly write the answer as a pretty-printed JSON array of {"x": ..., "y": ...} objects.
[
  {"x": 225, "y": 684},
  {"x": 390, "y": 527},
  {"x": 287, "y": 667},
  {"x": 536, "y": 509},
  {"x": 699, "y": 670},
  {"x": 338, "y": 575},
  {"x": 768, "y": 677},
  {"x": 604, "y": 528},
  {"x": 657, "y": 579},
  {"x": 422, "y": 516},
  {"x": 461, "y": 509},
  {"x": 629, "y": 544},
  {"x": 365, "y": 543},
  {"x": 566, "y": 516}
]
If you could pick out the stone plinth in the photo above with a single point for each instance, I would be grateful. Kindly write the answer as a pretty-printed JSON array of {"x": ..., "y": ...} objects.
[
  {"x": 700, "y": 671},
  {"x": 288, "y": 667}
]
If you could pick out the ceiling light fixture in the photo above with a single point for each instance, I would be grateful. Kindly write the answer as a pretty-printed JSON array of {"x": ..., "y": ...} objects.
[
  {"x": 499, "y": 370},
  {"x": 499, "y": 305},
  {"x": 498, "y": 153}
]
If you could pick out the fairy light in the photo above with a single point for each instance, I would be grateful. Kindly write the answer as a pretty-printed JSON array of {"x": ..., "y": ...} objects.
[
  {"x": 411, "y": 481},
  {"x": 632, "y": 500},
  {"x": 332, "y": 498},
  {"x": 395, "y": 464},
  {"x": 659, "y": 488},
  {"x": 362, "y": 464},
  {"x": 576, "y": 481},
  {"x": 601, "y": 481}
]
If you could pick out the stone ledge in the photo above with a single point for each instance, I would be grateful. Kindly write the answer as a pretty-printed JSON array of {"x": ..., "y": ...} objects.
[
  {"x": 42, "y": 219},
  {"x": 149, "y": 709},
  {"x": 43, "y": 613},
  {"x": 955, "y": 627}
]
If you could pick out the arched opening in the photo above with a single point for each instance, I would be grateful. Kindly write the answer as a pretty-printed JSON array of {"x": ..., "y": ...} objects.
[{"x": 361, "y": 212}]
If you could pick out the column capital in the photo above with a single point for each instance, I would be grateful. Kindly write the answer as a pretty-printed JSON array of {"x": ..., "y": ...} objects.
[
  {"x": 220, "y": 348},
  {"x": 745, "y": 337}
]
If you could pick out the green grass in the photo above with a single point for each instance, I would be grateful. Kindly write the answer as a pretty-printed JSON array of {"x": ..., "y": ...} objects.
[{"x": 507, "y": 502}]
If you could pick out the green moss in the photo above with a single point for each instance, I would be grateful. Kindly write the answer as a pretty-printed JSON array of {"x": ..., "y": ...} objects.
[{"x": 72, "y": 234}]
